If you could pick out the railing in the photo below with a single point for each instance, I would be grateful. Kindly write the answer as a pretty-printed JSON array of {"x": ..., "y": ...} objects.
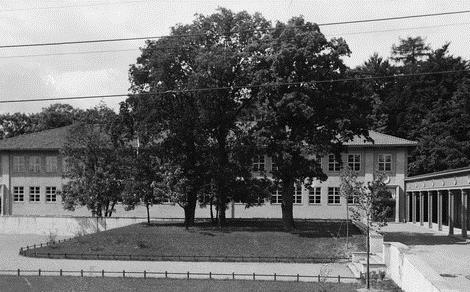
[
  {"x": 196, "y": 258},
  {"x": 179, "y": 275}
]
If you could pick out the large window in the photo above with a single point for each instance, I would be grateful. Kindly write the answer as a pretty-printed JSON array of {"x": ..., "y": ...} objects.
[
  {"x": 354, "y": 162},
  {"x": 385, "y": 162},
  {"x": 276, "y": 197},
  {"x": 18, "y": 164},
  {"x": 258, "y": 163},
  {"x": 35, "y": 164},
  {"x": 333, "y": 164},
  {"x": 333, "y": 196},
  {"x": 298, "y": 194},
  {"x": 314, "y": 195},
  {"x": 51, "y": 164},
  {"x": 51, "y": 195},
  {"x": 18, "y": 194},
  {"x": 34, "y": 194}
]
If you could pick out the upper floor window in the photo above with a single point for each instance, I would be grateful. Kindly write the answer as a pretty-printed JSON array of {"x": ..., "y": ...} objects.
[
  {"x": 385, "y": 162},
  {"x": 276, "y": 197},
  {"x": 314, "y": 195},
  {"x": 333, "y": 196},
  {"x": 354, "y": 162},
  {"x": 34, "y": 194},
  {"x": 258, "y": 163},
  {"x": 18, "y": 164},
  {"x": 35, "y": 164},
  {"x": 51, "y": 163},
  {"x": 18, "y": 194},
  {"x": 273, "y": 165},
  {"x": 51, "y": 195},
  {"x": 298, "y": 194},
  {"x": 333, "y": 164}
]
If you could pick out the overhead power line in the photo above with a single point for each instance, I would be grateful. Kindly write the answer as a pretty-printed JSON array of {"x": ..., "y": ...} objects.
[
  {"x": 170, "y": 47},
  {"x": 237, "y": 87},
  {"x": 72, "y": 6},
  {"x": 202, "y": 34}
]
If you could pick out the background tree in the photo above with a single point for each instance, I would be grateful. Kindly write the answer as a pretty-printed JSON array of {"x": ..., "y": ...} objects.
[
  {"x": 95, "y": 169},
  {"x": 301, "y": 122}
]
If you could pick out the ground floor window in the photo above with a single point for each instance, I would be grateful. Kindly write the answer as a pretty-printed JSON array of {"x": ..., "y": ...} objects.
[
  {"x": 18, "y": 194},
  {"x": 51, "y": 195},
  {"x": 333, "y": 196},
  {"x": 298, "y": 194},
  {"x": 276, "y": 197},
  {"x": 34, "y": 194},
  {"x": 314, "y": 195}
]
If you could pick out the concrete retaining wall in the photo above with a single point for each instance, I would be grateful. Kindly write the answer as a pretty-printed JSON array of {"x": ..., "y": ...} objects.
[
  {"x": 409, "y": 272},
  {"x": 63, "y": 226}
]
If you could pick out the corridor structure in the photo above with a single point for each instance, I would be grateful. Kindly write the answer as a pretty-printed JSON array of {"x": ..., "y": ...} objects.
[{"x": 439, "y": 198}]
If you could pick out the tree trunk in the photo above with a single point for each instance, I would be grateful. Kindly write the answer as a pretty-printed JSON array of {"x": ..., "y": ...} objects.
[
  {"x": 288, "y": 204},
  {"x": 221, "y": 217},
  {"x": 212, "y": 212},
  {"x": 189, "y": 211},
  {"x": 148, "y": 213}
]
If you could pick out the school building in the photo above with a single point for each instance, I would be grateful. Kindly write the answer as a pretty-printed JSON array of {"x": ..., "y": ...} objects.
[{"x": 31, "y": 174}]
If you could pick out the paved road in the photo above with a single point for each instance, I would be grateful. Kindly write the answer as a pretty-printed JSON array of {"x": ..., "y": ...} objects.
[{"x": 10, "y": 244}]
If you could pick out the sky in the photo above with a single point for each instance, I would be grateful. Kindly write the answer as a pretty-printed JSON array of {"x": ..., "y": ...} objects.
[{"x": 100, "y": 69}]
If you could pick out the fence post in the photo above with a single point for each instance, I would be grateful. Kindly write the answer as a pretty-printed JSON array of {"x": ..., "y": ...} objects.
[
  {"x": 123, "y": 273},
  {"x": 297, "y": 277},
  {"x": 145, "y": 274},
  {"x": 254, "y": 276},
  {"x": 339, "y": 278},
  {"x": 318, "y": 278},
  {"x": 81, "y": 273},
  {"x": 274, "y": 276},
  {"x": 102, "y": 273},
  {"x": 166, "y": 274},
  {"x": 18, "y": 272},
  {"x": 60, "y": 272},
  {"x": 210, "y": 275},
  {"x": 39, "y": 272},
  {"x": 233, "y": 275},
  {"x": 188, "y": 275}
]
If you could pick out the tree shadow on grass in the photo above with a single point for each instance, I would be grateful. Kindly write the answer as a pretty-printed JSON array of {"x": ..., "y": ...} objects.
[
  {"x": 304, "y": 228},
  {"x": 415, "y": 238}
]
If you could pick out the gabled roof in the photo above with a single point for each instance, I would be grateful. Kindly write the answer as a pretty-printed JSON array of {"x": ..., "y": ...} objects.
[
  {"x": 380, "y": 140},
  {"x": 52, "y": 139}
]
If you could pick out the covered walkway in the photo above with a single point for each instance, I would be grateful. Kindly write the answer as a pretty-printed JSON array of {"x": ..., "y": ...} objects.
[{"x": 440, "y": 200}]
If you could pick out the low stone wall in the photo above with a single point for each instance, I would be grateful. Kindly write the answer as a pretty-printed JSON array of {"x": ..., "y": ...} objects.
[
  {"x": 409, "y": 272},
  {"x": 62, "y": 226}
]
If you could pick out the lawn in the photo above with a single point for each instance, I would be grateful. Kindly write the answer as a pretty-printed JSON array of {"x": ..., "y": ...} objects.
[
  {"x": 241, "y": 238},
  {"x": 50, "y": 283}
]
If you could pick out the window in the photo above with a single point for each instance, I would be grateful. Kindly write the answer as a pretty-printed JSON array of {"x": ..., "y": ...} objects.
[
  {"x": 333, "y": 165},
  {"x": 354, "y": 162},
  {"x": 385, "y": 162},
  {"x": 333, "y": 196},
  {"x": 51, "y": 164},
  {"x": 273, "y": 164},
  {"x": 258, "y": 163},
  {"x": 298, "y": 194},
  {"x": 18, "y": 164},
  {"x": 51, "y": 195},
  {"x": 276, "y": 197},
  {"x": 35, "y": 164},
  {"x": 18, "y": 194},
  {"x": 34, "y": 195},
  {"x": 352, "y": 199},
  {"x": 314, "y": 195}
]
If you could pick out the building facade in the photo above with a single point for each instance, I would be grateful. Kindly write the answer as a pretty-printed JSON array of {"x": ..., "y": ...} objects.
[{"x": 31, "y": 173}]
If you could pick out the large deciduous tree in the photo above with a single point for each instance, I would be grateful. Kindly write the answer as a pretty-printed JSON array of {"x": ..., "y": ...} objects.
[
  {"x": 200, "y": 129},
  {"x": 303, "y": 120}
]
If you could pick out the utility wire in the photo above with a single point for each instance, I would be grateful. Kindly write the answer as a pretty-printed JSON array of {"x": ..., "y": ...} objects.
[
  {"x": 238, "y": 87},
  {"x": 72, "y": 6},
  {"x": 172, "y": 47},
  {"x": 203, "y": 34}
]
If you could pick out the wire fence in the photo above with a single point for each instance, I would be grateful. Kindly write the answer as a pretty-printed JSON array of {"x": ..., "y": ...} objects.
[{"x": 181, "y": 275}]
